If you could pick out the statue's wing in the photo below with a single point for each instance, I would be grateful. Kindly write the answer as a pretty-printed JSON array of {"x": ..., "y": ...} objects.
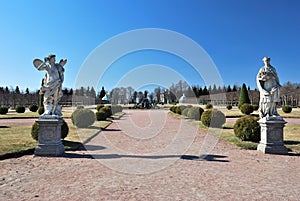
[
  {"x": 37, "y": 62},
  {"x": 62, "y": 62}
]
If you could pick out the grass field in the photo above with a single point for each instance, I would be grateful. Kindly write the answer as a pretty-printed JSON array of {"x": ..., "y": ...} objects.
[{"x": 18, "y": 138}]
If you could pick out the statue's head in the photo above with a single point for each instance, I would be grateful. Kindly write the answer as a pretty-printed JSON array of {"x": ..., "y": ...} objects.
[
  {"x": 266, "y": 60},
  {"x": 51, "y": 58}
]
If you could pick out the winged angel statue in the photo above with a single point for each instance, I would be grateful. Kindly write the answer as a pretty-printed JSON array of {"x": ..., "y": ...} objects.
[{"x": 52, "y": 84}]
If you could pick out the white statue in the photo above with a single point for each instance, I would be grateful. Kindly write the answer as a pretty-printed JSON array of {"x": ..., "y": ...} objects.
[
  {"x": 52, "y": 84},
  {"x": 268, "y": 85}
]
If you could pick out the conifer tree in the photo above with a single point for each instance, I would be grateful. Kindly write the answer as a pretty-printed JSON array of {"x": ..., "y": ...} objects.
[{"x": 244, "y": 97}]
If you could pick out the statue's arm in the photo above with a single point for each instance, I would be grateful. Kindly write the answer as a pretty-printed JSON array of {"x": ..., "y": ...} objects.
[
  {"x": 42, "y": 66},
  {"x": 259, "y": 82},
  {"x": 63, "y": 62}
]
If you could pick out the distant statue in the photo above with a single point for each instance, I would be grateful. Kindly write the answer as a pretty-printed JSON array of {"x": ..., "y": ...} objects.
[
  {"x": 52, "y": 84},
  {"x": 268, "y": 85}
]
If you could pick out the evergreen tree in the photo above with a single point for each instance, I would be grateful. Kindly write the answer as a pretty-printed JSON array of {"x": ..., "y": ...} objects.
[
  {"x": 244, "y": 97},
  {"x": 17, "y": 90},
  {"x": 27, "y": 91}
]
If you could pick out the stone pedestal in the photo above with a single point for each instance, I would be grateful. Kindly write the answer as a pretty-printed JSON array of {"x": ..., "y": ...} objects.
[
  {"x": 272, "y": 136},
  {"x": 49, "y": 143}
]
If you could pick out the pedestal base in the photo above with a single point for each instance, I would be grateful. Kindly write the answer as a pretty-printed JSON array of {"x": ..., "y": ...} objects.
[
  {"x": 49, "y": 142},
  {"x": 272, "y": 137}
]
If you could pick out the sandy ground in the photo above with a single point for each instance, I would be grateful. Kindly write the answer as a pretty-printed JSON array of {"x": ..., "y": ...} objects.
[{"x": 139, "y": 157}]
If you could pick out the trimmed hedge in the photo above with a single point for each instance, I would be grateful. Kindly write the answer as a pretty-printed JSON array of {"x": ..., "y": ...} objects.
[
  {"x": 3, "y": 110},
  {"x": 255, "y": 107},
  {"x": 195, "y": 113},
  {"x": 33, "y": 107},
  {"x": 83, "y": 118},
  {"x": 209, "y": 106},
  {"x": 229, "y": 107},
  {"x": 41, "y": 110},
  {"x": 287, "y": 109},
  {"x": 185, "y": 111},
  {"x": 116, "y": 108},
  {"x": 35, "y": 130},
  {"x": 246, "y": 108},
  {"x": 107, "y": 110},
  {"x": 101, "y": 116},
  {"x": 213, "y": 118},
  {"x": 98, "y": 107},
  {"x": 20, "y": 109},
  {"x": 247, "y": 128}
]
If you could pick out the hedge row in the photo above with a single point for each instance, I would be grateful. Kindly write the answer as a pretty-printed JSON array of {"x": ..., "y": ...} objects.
[{"x": 210, "y": 117}]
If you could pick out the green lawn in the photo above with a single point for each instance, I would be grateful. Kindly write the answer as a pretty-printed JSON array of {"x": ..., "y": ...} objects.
[
  {"x": 291, "y": 136},
  {"x": 18, "y": 138}
]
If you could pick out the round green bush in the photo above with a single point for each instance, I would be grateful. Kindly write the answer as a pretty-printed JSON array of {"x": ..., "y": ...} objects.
[
  {"x": 229, "y": 107},
  {"x": 195, "y": 113},
  {"x": 247, "y": 129},
  {"x": 35, "y": 130},
  {"x": 116, "y": 108},
  {"x": 101, "y": 116},
  {"x": 3, "y": 110},
  {"x": 246, "y": 108},
  {"x": 20, "y": 109},
  {"x": 80, "y": 107},
  {"x": 213, "y": 118},
  {"x": 33, "y": 107},
  {"x": 255, "y": 107},
  {"x": 209, "y": 106},
  {"x": 173, "y": 108},
  {"x": 178, "y": 110},
  {"x": 98, "y": 107},
  {"x": 82, "y": 118},
  {"x": 41, "y": 110},
  {"x": 107, "y": 110},
  {"x": 185, "y": 111},
  {"x": 287, "y": 108}
]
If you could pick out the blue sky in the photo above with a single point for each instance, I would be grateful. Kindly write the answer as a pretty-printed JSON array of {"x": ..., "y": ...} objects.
[{"x": 235, "y": 34}]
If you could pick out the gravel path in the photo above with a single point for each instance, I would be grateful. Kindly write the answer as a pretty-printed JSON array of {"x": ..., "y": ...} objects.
[{"x": 135, "y": 159}]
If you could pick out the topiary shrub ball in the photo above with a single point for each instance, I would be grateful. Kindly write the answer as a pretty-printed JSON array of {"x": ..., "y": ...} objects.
[
  {"x": 83, "y": 118},
  {"x": 255, "y": 107},
  {"x": 98, "y": 107},
  {"x": 229, "y": 107},
  {"x": 107, "y": 110},
  {"x": 195, "y": 113},
  {"x": 287, "y": 108},
  {"x": 33, "y": 107},
  {"x": 41, "y": 110},
  {"x": 177, "y": 110},
  {"x": 247, "y": 129},
  {"x": 246, "y": 108},
  {"x": 185, "y": 112},
  {"x": 3, "y": 110},
  {"x": 64, "y": 130},
  {"x": 35, "y": 131},
  {"x": 116, "y": 108},
  {"x": 209, "y": 106},
  {"x": 20, "y": 109},
  {"x": 213, "y": 118},
  {"x": 101, "y": 116}
]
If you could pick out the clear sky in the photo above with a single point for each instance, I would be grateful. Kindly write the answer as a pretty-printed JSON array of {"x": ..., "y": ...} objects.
[{"x": 236, "y": 35}]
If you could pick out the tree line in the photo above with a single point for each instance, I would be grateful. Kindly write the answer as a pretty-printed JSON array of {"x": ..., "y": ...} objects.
[{"x": 290, "y": 94}]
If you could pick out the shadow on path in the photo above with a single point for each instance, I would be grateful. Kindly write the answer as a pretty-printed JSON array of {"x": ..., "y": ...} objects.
[
  {"x": 208, "y": 157},
  {"x": 211, "y": 158}
]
